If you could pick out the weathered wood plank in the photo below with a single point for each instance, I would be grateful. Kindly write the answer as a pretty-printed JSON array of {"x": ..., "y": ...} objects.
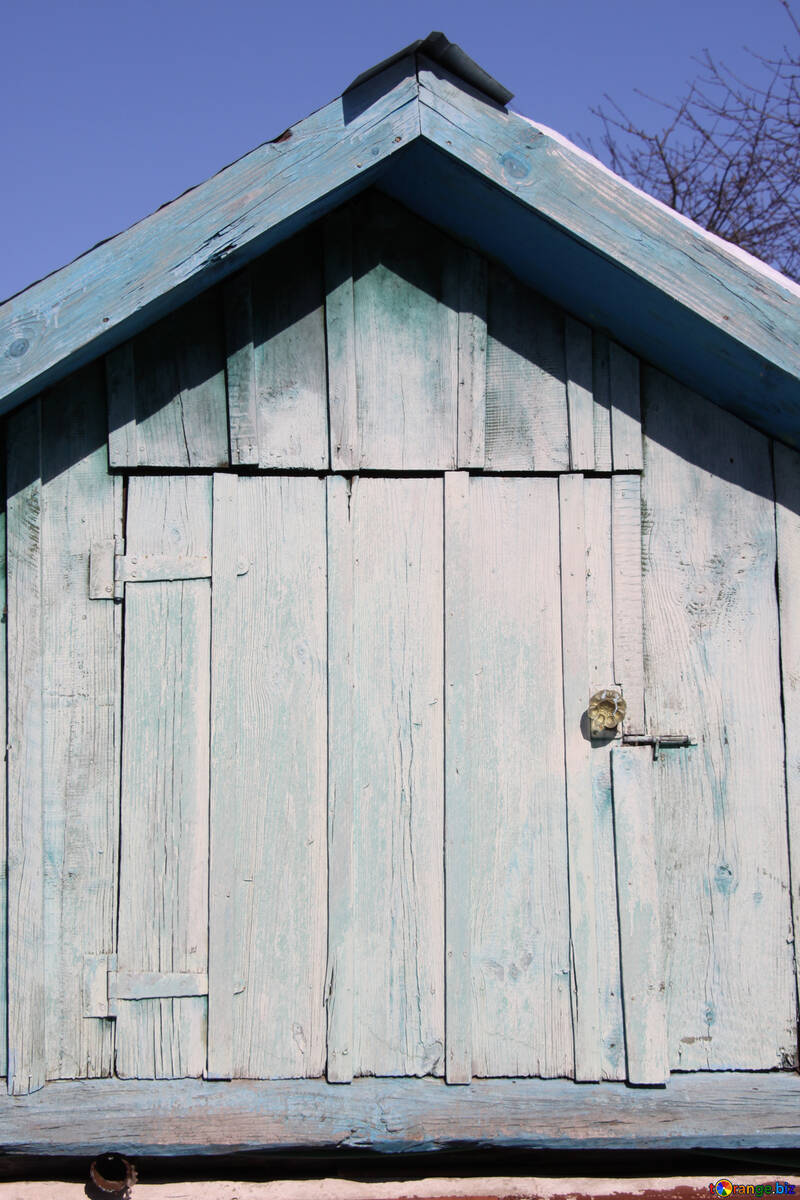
[
  {"x": 472, "y": 311},
  {"x": 580, "y": 401},
  {"x": 281, "y": 861},
  {"x": 787, "y": 514},
  {"x": 240, "y": 372},
  {"x": 601, "y": 386},
  {"x": 722, "y": 1112},
  {"x": 340, "y": 333},
  {"x": 123, "y": 448},
  {"x": 597, "y": 504},
  {"x": 3, "y": 771},
  {"x": 641, "y": 948},
  {"x": 27, "y": 1064},
  {"x": 713, "y": 671},
  {"x": 406, "y": 339},
  {"x": 580, "y": 808},
  {"x": 521, "y": 1022},
  {"x": 626, "y": 419},
  {"x": 82, "y": 650},
  {"x": 225, "y": 796},
  {"x": 626, "y": 549},
  {"x": 398, "y": 775},
  {"x": 163, "y": 905},
  {"x": 526, "y": 393},
  {"x": 289, "y": 353},
  {"x": 340, "y": 981},
  {"x": 457, "y": 803}
]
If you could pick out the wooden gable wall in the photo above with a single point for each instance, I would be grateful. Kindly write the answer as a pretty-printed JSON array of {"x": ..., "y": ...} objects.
[{"x": 375, "y": 344}]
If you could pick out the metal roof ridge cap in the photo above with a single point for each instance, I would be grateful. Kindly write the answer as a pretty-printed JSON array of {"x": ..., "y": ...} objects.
[{"x": 438, "y": 47}]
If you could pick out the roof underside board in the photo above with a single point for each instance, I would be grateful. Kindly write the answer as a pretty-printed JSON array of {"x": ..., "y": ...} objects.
[{"x": 719, "y": 322}]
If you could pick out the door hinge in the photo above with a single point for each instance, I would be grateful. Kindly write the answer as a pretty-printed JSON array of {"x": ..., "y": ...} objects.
[
  {"x": 104, "y": 985},
  {"x": 110, "y": 568}
]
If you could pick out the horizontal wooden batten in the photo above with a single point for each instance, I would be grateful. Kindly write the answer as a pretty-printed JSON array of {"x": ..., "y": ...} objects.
[{"x": 701, "y": 1111}]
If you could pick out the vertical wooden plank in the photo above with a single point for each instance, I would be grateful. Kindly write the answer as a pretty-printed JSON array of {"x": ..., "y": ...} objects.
[
  {"x": 526, "y": 392},
  {"x": 580, "y": 811},
  {"x": 289, "y": 353},
  {"x": 398, "y": 775},
  {"x": 713, "y": 671},
  {"x": 626, "y": 546},
  {"x": 787, "y": 516},
  {"x": 641, "y": 948},
  {"x": 281, "y": 867},
  {"x": 626, "y": 419},
  {"x": 26, "y": 964},
  {"x": 472, "y": 308},
  {"x": 163, "y": 904},
  {"x": 123, "y": 447},
  {"x": 224, "y": 794},
  {"x": 602, "y": 402},
  {"x": 406, "y": 339},
  {"x": 82, "y": 651},
  {"x": 580, "y": 400},
  {"x": 597, "y": 508},
  {"x": 340, "y": 331},
  {"x": 521, "y": 1023},
  {"x": 240, "y": 371},
  {"x": 340, "y": 982},
  {"x": 3, "y": 771},
  {"x": 457, "y": 836}
]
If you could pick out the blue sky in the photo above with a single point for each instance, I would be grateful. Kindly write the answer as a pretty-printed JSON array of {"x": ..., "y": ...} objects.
[{"x": 111, "y": 109}]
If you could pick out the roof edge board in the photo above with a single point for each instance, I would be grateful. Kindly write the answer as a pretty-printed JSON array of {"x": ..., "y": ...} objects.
[
  {"x": 438, "y": 47},
  {"x": 106, "y": 295}
]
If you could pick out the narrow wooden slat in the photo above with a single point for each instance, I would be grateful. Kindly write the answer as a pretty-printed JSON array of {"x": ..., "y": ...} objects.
[
  {"x": 602, "y": 402},
  {"x": 580, "y": 810},
  {"x": 472, "y": 306},
  {"x": 787, "y": 510},
  {"x": 163, "y": 901},
  {"x": 224, "y": 794},
  {"x": 289, "y": 352},
  {"x": 82, "y": 651},
  {"x": 580, "y": 399},
  {"x": 626, "y": 548},
  {"x": 341, "y": 832},
  {"x": 457, "y": 843},
  {"x": 641, "y": 949},
  {"x": 123, "y": 447},
  {"x": 3, "y": 772},
  {"x": 280, "y": 781},
  {"x": 340, "y": 332},
  {"x": 597, "y": 508},
  {"x": 240, "y": 370},
  {"x": 526, "y": 393},
  {"x": 26, "y": 961},
  {"x": 626, "y": 419}
]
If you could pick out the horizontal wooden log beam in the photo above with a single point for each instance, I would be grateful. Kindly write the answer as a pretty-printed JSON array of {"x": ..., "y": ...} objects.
[{"x": 723, "y": 1111}]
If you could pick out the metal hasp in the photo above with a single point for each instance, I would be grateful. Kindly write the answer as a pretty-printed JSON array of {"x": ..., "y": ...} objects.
[{"x": 110, "y": 568}]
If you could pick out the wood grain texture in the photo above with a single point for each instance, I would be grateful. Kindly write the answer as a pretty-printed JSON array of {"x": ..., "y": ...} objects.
[
  {"x": 580, "y": 807},
  {"x": 626, "y": 551},
  {"x": 580, "y": 400},
  {"x": 457, "y": 803},
  {"x": 641, "y": 948},
  {"x": 27, "y": 1055},
  {"x": 82, "y": 647},
  {"x": 713, "y": 671},
  {"x": 398, "y": 784},
  {"x": 3, "y": 772},
  {"x": 123, "y": 448},
  {"x": 526, "y": 393},
  {"x": 597, "y": 504},
  {"x": 787, "y": 523},
  {"x": 280, "y": 824},
  {"x": 521, "y": 1022},
  {"x": 340, "y": 340},
  {"x": 224, "y": 794},
  {"x": 163, "y": 903},
  {"x": 406, "y": 339},
  {"x": 289, "y": 354},
  {"x": 626, "y": 419},
  {"x": 720, "y": 1112},
  {"x": 601, "y": 384},
  {"x": 472, "y": 309},
  {"x": 240, "y": 371},
  {"x": 340, "y": 973}
]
